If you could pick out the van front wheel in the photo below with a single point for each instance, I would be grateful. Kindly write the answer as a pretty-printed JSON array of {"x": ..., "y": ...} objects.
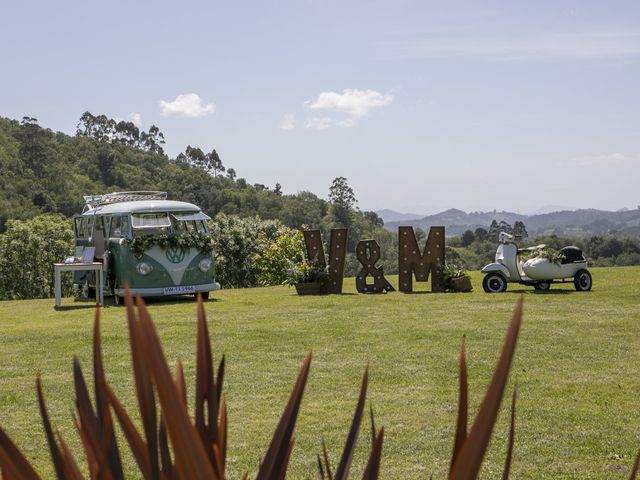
[
  {"x": 88, "y": 291},
  {"x": 205, "y": 295}
]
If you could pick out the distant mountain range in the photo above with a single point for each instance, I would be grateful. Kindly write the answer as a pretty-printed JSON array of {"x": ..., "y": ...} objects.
[
  {"x": 393, "y": 216},
  {"x": 572, "y": 223}
]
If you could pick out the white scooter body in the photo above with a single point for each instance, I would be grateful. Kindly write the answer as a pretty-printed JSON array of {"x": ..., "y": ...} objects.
[
  {"x": 507, "y": 261},
  {"x": 540, "y": 273}
]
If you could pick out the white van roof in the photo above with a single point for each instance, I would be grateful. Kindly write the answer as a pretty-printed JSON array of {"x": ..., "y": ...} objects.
[{"x": 142, "y": 206}]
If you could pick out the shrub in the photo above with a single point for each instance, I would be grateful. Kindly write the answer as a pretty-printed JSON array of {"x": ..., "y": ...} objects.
[
  {"x": 237, "y": 242},
  {"x": 276, "y": 256},
  {"x": 28, "y": 250}
]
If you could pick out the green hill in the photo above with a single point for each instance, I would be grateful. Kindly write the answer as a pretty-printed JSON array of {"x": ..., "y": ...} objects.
[{"x": 42, "y": 171}]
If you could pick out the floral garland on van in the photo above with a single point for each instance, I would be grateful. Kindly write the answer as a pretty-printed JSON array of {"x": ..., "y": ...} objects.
[{"x": 201, "y": 241}]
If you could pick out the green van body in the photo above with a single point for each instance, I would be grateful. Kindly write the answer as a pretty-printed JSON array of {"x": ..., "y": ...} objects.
[{"x": 155, "y": 270}]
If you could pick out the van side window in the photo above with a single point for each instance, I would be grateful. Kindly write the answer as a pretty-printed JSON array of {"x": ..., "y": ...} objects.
[
  {"x": 106, "y": 226},
  {"x": 116, "y": 227},
  {"x": 80, "y": 224},
  {"x": 124, "y": 227}
]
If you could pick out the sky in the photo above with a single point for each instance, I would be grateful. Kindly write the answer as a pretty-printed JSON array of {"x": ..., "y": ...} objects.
[{"x": 421, "y": 105}]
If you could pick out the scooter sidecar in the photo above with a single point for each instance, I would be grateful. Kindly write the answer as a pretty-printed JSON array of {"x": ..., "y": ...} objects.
[{"x": 573, "y": 265}]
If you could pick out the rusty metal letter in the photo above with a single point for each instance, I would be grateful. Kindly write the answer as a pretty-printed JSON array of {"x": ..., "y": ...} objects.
[
  {"x": 368, "y": 253},
  {"x": 337, "y": 253},
  {"x": 411, "y": 261}
]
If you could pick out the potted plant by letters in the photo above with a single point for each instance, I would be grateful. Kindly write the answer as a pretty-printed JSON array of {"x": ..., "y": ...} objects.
[
  {"x": 454, "y": 278},
  {"x": 308, "y": 278}
]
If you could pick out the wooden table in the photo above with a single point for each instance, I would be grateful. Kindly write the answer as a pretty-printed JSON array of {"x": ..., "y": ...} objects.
[{"x": 71, "y": 267}]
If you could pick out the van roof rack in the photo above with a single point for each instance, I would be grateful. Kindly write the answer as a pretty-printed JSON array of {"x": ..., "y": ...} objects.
[{"x": 94, "y": 201}]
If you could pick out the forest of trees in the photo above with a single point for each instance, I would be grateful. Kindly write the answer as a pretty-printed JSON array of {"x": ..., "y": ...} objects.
[{"x": 42, "y": 171}]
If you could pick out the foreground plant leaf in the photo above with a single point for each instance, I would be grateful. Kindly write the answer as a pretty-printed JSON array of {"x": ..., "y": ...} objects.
[
  {"x": 512, "y": 434},
  {"x": 276, "y": 458},
  {"x": 191, "y": 460},
  {"x": 56, "y": 458},
  {"x": 342, "y": 471},
  {"x": 634, "y": 469},
  {"x": 468, "y": 461},
  {"x": 13, "y": 464},
  {"x": 144, "y": 389},
  {"x": 463, "y": 408}
]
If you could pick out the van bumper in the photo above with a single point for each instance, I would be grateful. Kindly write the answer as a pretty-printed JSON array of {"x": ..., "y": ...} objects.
[{"x": 159, "y": 291}]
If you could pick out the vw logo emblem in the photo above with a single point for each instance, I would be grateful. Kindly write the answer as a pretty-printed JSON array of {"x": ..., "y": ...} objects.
[{"x": 175, "y": 254}]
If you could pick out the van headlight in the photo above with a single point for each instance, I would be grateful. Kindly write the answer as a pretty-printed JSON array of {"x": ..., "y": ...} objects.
[
  {"x": 144, "y": 268},
  {"x": 205, "y": 264}
]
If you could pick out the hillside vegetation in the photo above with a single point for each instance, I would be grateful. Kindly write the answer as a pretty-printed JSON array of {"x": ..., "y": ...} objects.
[{"x": 42, "y": 171}]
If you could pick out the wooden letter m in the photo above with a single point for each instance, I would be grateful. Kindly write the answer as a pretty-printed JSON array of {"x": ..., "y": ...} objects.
[{"x": 411, "y": 261}]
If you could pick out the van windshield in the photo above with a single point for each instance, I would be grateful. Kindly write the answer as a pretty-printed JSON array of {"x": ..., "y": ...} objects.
[
  {"x": 150, "y": 223},
  {"x": 199, "y": 226}
]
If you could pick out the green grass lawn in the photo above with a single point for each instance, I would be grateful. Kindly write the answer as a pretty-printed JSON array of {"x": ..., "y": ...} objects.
[{"x": 577, "y": 367}]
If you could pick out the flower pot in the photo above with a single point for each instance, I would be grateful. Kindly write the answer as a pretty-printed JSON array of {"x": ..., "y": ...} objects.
[
  {"x": 311, "y": 288},
  {"x": 462, "y": 284}
]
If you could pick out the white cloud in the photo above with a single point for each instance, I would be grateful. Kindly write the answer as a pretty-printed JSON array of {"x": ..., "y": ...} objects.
[
  {"x": 288, "y": 122},
  {"x": 590, "y": 160},
  {"x": 319, "y": 123},
  {"x": 187, "y": 105},
  {"x": 135, "y": 118},
  {"x": 355, "y": 103},
  {"x": 322, "y": 123},
  {"x": 346, "y": 123},
  {"x": 559, "y": 46}
]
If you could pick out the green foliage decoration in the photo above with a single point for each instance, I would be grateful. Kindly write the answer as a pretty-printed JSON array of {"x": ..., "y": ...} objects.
[
  {"x": 547, "y": 253},
  {"x": 201, "y": 241},
  {"x": 306, "y": 272},
  {"x": 28, "y": 250},
  {"x": 449, "y": 272}
]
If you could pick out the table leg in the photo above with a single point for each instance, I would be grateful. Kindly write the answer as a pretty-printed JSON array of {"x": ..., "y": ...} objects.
[
  {"x": 57, "y": 287},
  {"x": 101, "y": 288}
]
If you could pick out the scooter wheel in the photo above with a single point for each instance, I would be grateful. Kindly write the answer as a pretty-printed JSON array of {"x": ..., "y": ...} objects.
[
  {"x": 494, "y": 283},
  {"x": 582, "y": 281}
]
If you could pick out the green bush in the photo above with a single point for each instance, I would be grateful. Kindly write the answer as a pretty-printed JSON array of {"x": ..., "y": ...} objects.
[
  {"x": 237, "y": 244},
  {"x": 276, "y": 256},
  {"x": 28, "y": 250}
]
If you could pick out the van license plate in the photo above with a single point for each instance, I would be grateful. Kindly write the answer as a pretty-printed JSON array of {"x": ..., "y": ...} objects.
[{"x": 179, "y": 290}]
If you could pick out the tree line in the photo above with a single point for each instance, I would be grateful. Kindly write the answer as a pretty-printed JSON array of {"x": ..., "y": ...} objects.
[
  {"x": 477, "y": 248},
  {"x": 42, "y": 171}
]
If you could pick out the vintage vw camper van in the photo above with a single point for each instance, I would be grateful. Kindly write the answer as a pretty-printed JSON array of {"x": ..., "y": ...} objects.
[{"x": 156, "y": 246}]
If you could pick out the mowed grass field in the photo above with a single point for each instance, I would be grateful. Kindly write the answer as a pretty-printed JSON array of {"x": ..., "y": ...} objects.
[{"x": 577, "y": 370}]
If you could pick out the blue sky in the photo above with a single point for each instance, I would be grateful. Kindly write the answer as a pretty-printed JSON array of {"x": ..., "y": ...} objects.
[{"x": 421, "y": 105}]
